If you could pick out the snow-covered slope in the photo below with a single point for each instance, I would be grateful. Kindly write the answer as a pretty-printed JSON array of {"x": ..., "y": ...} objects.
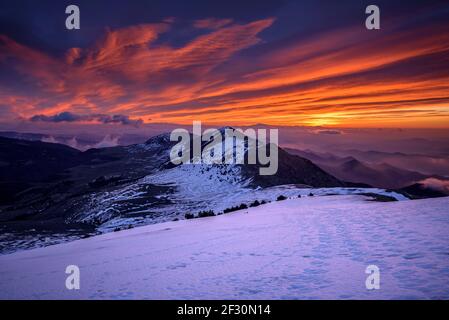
[
  {"x": 190, "y": 189},
  {"x": 120, "y": 187},
  {"x": 312, "y": 247}
]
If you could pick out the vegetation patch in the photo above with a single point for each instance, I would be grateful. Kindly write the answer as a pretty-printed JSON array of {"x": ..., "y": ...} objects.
[
  {"x": 208, "y": 213},
  {"x": 255, "y": 204},
  {"x": 237, "y": 208},
  {"x": 379, "y": 197}
]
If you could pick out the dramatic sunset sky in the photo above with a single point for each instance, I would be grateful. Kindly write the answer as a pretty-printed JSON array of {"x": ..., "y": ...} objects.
[{"x": 276, "y": 62}]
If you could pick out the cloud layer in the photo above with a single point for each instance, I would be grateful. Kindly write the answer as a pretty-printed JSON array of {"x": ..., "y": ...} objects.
[
  {"x": 99, "y": 118},
  {"x": 226, "y": 73},
  {"x": 437, "y": 184}
]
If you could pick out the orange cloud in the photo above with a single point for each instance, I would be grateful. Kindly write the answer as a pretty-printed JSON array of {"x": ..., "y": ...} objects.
[{"x": 347, "y": 77}]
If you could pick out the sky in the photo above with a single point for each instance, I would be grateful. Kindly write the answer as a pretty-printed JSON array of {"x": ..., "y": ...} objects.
[{"x": 276, "y": 62}]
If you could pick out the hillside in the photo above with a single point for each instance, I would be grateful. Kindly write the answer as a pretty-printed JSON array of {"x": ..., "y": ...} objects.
[{"x": 52, "y": 182}]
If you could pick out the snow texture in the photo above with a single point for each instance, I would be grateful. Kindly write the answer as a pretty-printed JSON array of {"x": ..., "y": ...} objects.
[
  {"x": 197, "y": 187},
  {"x": 300, "y": 248}
]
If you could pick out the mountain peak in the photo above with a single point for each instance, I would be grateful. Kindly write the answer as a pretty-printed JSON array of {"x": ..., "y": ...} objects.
[
  {"x": 352, "y": 162},
  {"x": 160, "y": 139}
]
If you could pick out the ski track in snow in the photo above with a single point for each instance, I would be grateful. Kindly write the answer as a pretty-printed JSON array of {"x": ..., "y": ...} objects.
[{"x": 308, "y": 248}]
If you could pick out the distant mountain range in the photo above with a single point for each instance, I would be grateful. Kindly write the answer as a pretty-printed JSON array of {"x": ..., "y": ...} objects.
[
  {"x": 378, "y": 174},
  {"x": 429, "y": 165}
]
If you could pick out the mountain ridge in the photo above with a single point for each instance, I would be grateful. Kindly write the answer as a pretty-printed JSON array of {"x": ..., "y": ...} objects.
[{"x": 83, "y": 175}]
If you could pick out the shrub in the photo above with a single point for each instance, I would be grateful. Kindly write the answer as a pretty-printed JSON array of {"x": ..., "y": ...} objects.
[
  {"x": 255, "y": 204},
  {"x": 203, "y": 214},
  {"x": 243, "y": 206},
  {"x": 227, "y": 210},
  {"x": 299, "y": 196},
  {"x": 96, "y": 222},
  {"x": 189, "y": 216},
  {"x": 311, "y": 194},
  {"x": 240, "y": 207},
  {"x": 281, "y": 198},
  {"x": 379, "y": 197}
]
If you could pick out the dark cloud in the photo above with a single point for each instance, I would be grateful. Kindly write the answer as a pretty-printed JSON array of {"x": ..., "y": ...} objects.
[
  {"x": 42, "y": 25},
  {"x": 72, "y": 117},
  {"x": 329, "y": 132}
]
